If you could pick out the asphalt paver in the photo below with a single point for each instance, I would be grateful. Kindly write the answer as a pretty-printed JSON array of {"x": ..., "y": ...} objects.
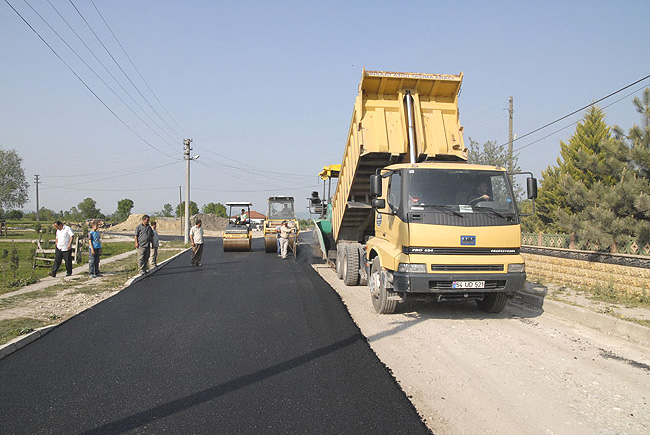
[{"x": 247, "y": 343}]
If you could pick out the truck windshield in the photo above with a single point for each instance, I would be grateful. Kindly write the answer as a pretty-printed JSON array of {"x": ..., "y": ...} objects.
[
  {"x": 281, "y": 210},
  {"x": 461, "y": 191}
]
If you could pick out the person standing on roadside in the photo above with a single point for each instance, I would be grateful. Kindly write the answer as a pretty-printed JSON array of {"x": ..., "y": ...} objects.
[
  {"x": 94, "y": 251},
  {"x": 277, "y": 230},
  {"x": 285, "y": 231},
  {"x": 155, "y": 242},
  {"x": 196, "y": 236},
  {"x": 143, "y": 238},
  {"x": 63, "y": 250}
]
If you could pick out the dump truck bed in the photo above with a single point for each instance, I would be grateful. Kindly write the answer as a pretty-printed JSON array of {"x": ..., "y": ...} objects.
[{"x": 378, "y": 136}]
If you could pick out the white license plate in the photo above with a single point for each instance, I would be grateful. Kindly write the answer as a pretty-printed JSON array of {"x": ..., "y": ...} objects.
[{"x": 468, "y": 284}]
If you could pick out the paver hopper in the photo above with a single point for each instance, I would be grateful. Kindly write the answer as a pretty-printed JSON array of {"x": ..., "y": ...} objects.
[{"x": 238, "y": 236}]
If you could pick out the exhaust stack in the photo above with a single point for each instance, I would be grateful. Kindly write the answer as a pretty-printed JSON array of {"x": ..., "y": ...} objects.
[{"x": 409, "y": 114}]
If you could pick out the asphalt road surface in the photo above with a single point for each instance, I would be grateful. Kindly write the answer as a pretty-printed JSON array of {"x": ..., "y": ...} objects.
[{"x": 246, "y": 344}]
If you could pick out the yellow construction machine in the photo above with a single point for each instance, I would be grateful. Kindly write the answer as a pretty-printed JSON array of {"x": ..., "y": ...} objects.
[
  {"x": 410, "y": 217},
  {"x": 281, "y": 208},
  {"x": 238, "y": 235}
]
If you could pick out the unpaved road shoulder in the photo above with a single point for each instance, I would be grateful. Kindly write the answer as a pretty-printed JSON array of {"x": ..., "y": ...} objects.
[{"x": 518, "y": 372}]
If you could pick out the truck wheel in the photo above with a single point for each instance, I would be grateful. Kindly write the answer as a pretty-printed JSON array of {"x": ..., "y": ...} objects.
[
  {"x": 493, "y": 302},
  {"x": 378, "y": 292},
  {"x": 339, "y": 261},
  {"x": 350, "y": 266}
]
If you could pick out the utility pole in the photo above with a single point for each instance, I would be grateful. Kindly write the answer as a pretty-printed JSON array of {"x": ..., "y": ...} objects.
[
  {"x": 188, "y": 157},
  {"x": 38, "y": 219},
  {"x": 511, "y": 111},
  {"x": 180, "y": 201}
]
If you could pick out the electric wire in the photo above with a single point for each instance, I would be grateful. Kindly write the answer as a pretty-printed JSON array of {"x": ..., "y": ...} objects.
[
  {"x": 114, "y": 60},
  {"x": 121, "y": 175},
  {"x": 576, "y": 122},
  {"x": 579, "y": 110},
  {"x": 85, "y": 84},
  {"x": 113, "y": 77},
  {"x": 141, "y": 76}
]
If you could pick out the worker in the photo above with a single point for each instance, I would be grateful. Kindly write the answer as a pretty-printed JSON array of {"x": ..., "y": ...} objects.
[
  {"x": 482, "y": 193},
  {"x": 286, "y": 211},
  {"x": 285, "y": 231},
  {"x": 242, "y": 218}
]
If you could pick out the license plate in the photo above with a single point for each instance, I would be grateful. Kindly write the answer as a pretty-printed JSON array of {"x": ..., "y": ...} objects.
[{"x": 468, "y": 284}]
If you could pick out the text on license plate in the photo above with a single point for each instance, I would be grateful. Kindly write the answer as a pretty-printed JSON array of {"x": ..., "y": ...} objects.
[{"x": 468, "y": 284}]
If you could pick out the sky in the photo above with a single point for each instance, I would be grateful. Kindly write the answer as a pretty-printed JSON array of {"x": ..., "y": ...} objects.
[{"x": 265, "y": 90}]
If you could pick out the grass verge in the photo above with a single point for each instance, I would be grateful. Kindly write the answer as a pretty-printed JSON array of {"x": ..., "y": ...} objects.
[{"x": 94, "y": 290}]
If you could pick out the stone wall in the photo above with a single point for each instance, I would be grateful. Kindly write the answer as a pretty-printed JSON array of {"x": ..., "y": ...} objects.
[{"x": 581, "y": 273}]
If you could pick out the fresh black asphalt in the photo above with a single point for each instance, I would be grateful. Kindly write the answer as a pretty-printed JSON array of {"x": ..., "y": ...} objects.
[{"x": 246, "y": 344}]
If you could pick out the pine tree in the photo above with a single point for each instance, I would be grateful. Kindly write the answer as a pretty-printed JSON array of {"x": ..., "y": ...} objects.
[
  {"x": 591, "y": 158},
  {"x": 610, "y": 202}
]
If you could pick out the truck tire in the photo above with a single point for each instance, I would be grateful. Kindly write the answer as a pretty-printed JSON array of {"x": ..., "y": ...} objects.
[
  {"x": 378, "y": 291},
  {"x": 350, "y": 266},
  {"x": 493, "y": 302}
]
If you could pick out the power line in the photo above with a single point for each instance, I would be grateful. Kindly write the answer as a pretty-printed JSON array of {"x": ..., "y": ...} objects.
[
  {"x": 121, "y": 175},
  {"x": 574, "y": 123},
  {"x": 115, "y": 60},
  {"x": 579, "y": 110},
  {"x": 85, "y": 84},
  {"x": 141, "y": 76},
  {"x": 94, "y": 72}
]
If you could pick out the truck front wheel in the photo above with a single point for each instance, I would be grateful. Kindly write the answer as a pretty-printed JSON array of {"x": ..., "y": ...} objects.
[
  {"x": 380, "y": 295},
  {"x": 493, "y": 302}
]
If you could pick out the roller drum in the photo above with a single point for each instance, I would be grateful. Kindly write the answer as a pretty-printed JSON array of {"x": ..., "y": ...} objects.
[{"x": 236, "y": 245}]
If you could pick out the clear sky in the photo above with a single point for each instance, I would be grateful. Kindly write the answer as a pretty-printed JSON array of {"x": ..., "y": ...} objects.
[{"x": 266, "y": 89}]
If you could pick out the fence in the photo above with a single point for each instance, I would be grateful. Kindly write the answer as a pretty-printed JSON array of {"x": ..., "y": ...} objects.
[{"x": 632, "y": 246}]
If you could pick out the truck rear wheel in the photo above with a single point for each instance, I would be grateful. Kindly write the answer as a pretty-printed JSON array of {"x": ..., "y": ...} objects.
[
  {"x": 378, "y": 292},
  {"x": 339, "y": 262},
  {"x": 350, "y": 266},
  {"x": 493, "y": 302}
]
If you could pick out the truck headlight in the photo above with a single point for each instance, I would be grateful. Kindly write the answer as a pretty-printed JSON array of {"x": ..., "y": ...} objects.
[
  {"x": 412, "y": 267},
  {"x": 516, "y": 267}
]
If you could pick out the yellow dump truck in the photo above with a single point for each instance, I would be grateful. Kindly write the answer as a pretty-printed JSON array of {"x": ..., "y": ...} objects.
[
  {"x": 410, "y": 216},
  {"x": 281, "y": 208}
]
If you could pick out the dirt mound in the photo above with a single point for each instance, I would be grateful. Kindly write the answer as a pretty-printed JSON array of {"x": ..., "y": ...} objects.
[{"x": 167, "y": 225}]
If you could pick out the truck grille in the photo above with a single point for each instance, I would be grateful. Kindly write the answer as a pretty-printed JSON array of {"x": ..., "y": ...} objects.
[
  {"x": 459, "y": 251},
  {"x": 467, "y": 267}
]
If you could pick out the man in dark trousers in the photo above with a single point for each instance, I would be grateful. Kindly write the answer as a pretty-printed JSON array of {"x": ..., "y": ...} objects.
[
  {"x": 196, "y": 236},
  {"x": 143, "y": 239},
  {"x": 63, "y": 249}
]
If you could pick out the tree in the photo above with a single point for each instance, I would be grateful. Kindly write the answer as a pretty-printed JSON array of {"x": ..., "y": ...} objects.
[
  {"x": 167, "y": 211},
  {"x": 14, "y": 215},
  {"x": 180, "y": 209},
  {"x": 13, "y": 186},
  {"x": 217, "y": 209},
  {"x": 124, "y": 207},
  {"x": 591, "y": 158},
  {"x": 88, "y": 209},
  {"x": 604, "y": 181}
]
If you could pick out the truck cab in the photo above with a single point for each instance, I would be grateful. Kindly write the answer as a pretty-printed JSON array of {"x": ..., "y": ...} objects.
[{"x": 447, "y": 230}]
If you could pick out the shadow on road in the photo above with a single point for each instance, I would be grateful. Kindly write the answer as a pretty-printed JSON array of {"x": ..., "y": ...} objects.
[{"x": 142, "y": 418}]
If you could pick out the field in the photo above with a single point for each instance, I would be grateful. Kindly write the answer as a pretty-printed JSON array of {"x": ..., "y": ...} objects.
[{"x": 17, "y": 256}]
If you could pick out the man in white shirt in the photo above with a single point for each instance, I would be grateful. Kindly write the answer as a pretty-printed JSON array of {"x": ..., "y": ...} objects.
[
  {"x": 63, "y": 249},
  {"x": 196, "y": 236},
  {"x": 285, "y": 231}
]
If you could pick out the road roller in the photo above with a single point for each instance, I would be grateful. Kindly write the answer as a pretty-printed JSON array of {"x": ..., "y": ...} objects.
[
  {"x": 238, "y": 235},
  {"x": 281, "y": 208}
]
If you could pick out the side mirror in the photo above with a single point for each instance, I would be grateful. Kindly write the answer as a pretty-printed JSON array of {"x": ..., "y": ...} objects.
[
  {"x": 378, "y": 203},
  {"x": 375, "y": 186},
  {"x": 531, "y": 187}
]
